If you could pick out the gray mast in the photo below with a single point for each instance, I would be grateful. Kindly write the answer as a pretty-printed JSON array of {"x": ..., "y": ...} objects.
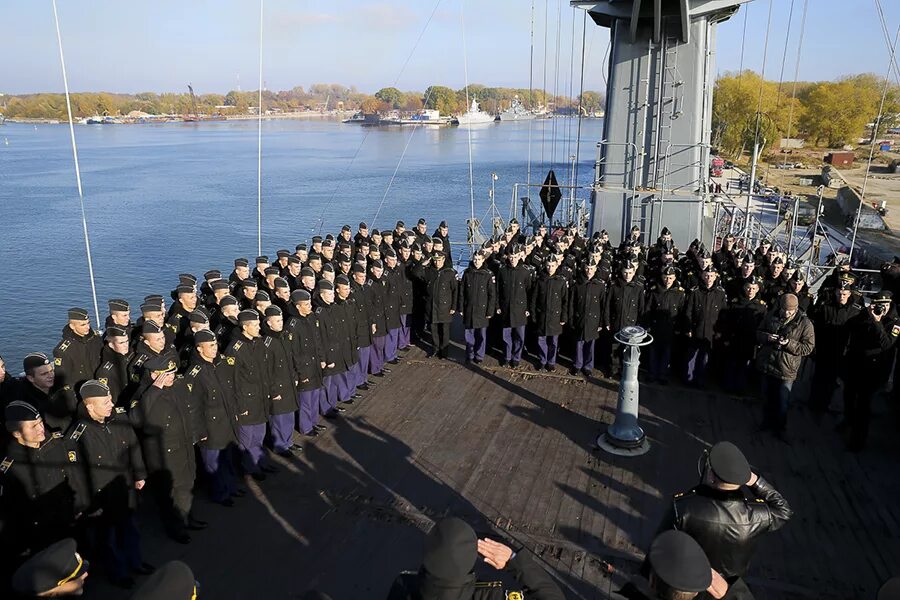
[{"x": 653, "y": 161}]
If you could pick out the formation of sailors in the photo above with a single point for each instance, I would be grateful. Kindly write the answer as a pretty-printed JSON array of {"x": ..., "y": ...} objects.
[{"x": 238, "y": 362}]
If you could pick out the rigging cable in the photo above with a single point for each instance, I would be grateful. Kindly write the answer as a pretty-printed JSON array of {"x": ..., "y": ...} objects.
[
  {"x": 342, "y": 180},
  {"x": 87, "y": 241},
  {"x": 787, "y": 40},
  {"x": 580, "y": 101},
  {"x": 259, "y": 112},
  {"x": 544, "y": 84},
  {"x": 462, "y": 22},
  {"x": 797, "y": 70},
  {"x": 744, "y": 38},
  {"x": 862, "y": 197},
  {"x": 530, "y": 107},
  {"x": 568, "y": 145},
  {"x": 555, "y": 86},
  {"x": 887, "y": 36}
]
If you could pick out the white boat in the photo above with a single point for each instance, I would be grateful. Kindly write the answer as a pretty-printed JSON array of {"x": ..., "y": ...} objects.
[
  {"x": 475, "y": 116},
  {"x": 427, "y": 116},
  {"x": 516, "y": 112}
]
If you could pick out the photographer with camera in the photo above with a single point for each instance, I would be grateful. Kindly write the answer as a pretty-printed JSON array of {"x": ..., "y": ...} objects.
[
  {"x": 870, "y": 357},
  {"x": 785, "y": 336}
]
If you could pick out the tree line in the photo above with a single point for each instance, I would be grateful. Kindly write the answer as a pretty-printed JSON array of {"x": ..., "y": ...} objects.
[
  {"x": 319, "y": 96},
  {"x": 825, "y": 114}
]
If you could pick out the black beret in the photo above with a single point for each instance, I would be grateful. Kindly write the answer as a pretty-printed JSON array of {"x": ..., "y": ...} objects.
[
  {"x": 151, "y": 327},
  {"x": 421, "y": 222},
  {"x": 329, "y": 237},
  {"x": 314, "y": 256},
  {"x": 798, "y": 276},
  {"x": 204, "y": 335},
  {"x": 344, "y": 246},
  {"x": 35, "y": 360},
  {"x": 416, "y": 247},
  {"x": 665, "y": 231},
  {"x": 375, "y": 232},
  {"x": 357, "y": 268},
  {"x": 161, "y": 364},
  {"x": 228, "y": 300},
  {"x": 187, "y": 278},
  {"x": 173, "y": 581},
  {"x": 389, "y": 253},
  {"x": 153, "y": 299},
  {"x": 117, "y": 304},
  {"x": 293, "y": 259},
  {"x": 93, "y": 389},
  {"x": 298, "y": 296},
  {"x": 219, "y": 284},
  {"x": 307, "y": 272},
  {"x": 324, "y": 284},
  {"x": 241, "y": 262},
  {"x": 271, "y": 271},
  {"x": 281, "y": 283},
  {"x": 184, "y": 289},
  {"x": 51, "y": 567},
  {"x": 679, "y": 562},
  {"x": 328, "y": 244},
  {"x": 377, "y": 264},
  {"x": 387, "y": 232},
  {"x": 436, "y": 240},
  {"x": 300, "y": 248},
  {"x": 17, "y": 410},
  {"x": 198, "y": 316},
  {"x": 450, "y": 549},
  {"x": 317, "y": 239},
  {"x": 78, "y": 314},
  {"x": 729, "y": 464},
  {"x": 344, "y": 260},
  {"x": 248, "y": 315},
  {"x": 709, "y": 269},
  {"x": 400, "y": 224},
  {"x": 262, "y": 259},
  {"x": 273, "y": 311},
  {"x": 363, "y": 226},
  {"x": 345, "y": 228},
  {"x": 374, "y": 248},
  {"x": 328, "y": 268},
  {"x": 753, "y": 280},
  {"x": 516, "y": 222},
  {"x": 249, "y": 282},
  {"x": 749, "y": 260},
  {"x": 283, "y": 253},
  {"x": 213, "y": 274},
  {"x": 442, "y": 224},
  {"x": 262, "y": 296},
  {"x": 115, "y": 331},
  {"x": 670, "y": 270},
  {"x": 341, "y": 280},
  {"x": 777, "y": 261}
]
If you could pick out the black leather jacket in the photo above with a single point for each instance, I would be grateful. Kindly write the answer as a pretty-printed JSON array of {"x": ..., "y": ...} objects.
[{"x": 728, "y": 524}]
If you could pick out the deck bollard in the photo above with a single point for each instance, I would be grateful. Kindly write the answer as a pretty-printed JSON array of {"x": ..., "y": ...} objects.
[{"x": 625, "y": 437}]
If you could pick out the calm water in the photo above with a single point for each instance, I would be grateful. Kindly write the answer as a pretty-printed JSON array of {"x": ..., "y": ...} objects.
[{"x": 173, "y": 198}]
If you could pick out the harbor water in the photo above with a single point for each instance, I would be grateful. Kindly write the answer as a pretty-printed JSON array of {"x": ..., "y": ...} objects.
[{"x": 182, "y": 198}]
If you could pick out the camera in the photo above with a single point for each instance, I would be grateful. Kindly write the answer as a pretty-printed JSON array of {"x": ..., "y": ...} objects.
[{"x": 879, "y": 309}]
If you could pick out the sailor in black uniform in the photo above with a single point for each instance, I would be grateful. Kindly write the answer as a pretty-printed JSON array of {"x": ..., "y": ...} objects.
[
  {"x": 279, "y": 345},
  {"x": 549, "y": 308},
  {"x": 440, "y": 288},
  {"x": 56, "y": 403},
  {"x": 113, "y": 370},
  {"x": 513, "y": 290},
  {"x": 77, "y": 355},
  {"x": 476, "y": 304},
  {"x": 665, "y": 319}
]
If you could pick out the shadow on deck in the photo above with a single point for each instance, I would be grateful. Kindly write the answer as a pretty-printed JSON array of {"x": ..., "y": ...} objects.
[{"x": 513, "y": 454}]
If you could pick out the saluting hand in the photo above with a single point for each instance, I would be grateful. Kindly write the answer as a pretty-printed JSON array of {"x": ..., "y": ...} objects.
[{"x": 494, "y": 553}]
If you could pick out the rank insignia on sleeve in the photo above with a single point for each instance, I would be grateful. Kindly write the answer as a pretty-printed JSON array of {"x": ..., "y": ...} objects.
[
  {"x": 895, "y": 330},
  {"x": 237, "y": 345},
  {"x": 76, "y": 435},
  {"x": 190, "y": 387},
  {"x": 133, "y": 404},
  {"x": 57, "y": 434},
  {"x": 120, "y": 410},
  {"x": 72, "y": 457},
  {"x": 6, "y": 464},
  {"x": 64, "y": 346},
  {"x": 230, "y": 360},
  {"x": 194, "y": 371}
]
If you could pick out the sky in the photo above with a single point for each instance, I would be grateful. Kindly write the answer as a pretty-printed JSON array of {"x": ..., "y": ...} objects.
[{"x": 131, "y": 47}]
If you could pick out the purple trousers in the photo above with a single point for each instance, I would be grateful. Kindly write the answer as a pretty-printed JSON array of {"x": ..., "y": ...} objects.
[
  {"x": 392, "y": 344},
  {"x": 329, "y": 399},
  {"x": 219, "y": 466},
  {"x": 308, "y": 402},
  {"x": 513, "y": 342},
  {"x": 376, "y": 355},
  {"x": 251, "y": 437},
  {"x": 584, "y": 354},
  {"x": 362, "y": 367},
  {"x": 346, "y": 383},
  {"x": 404, "y": 332},
  {"x": 547, "y": 348},
  {"x": 476, "y": 340},
  {"x": 282, "y": 429}
]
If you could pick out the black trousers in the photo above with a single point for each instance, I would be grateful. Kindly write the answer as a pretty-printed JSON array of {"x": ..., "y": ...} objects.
[
  {"x": 440, "y": 338},
  {"x": 858, "y": 396}
]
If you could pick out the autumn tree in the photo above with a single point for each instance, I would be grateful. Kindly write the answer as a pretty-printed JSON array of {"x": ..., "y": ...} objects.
[
  {"x": 441, "y": 98},
  {"x": 390, "y": 96}
]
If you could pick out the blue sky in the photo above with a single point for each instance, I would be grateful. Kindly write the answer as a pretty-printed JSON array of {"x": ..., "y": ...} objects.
[{"x": 161, "y": 46}]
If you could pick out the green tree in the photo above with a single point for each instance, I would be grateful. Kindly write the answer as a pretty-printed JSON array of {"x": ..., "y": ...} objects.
[
  {"x": 441, "y": 98},
  {"x": 390, "y": 96}
]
